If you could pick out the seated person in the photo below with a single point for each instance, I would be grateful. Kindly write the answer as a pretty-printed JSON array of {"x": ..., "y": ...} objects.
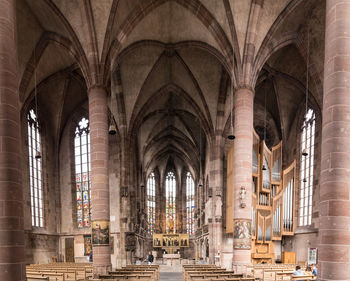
[
  {"x": 90, "y": 257},
  {"x": 314, "y": 270},
  {"x": 298, "y": 271}
]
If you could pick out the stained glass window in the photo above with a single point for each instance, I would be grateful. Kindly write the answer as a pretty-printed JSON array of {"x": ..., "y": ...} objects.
[
  {"x": 151, "y": 202},
  {"x": 170, "y": 191},
  {"x": 190, "y": 204},
  {"x": 35, "y": 172},
  {"x": 307, "y": 168},
  {"x": 82, "y": 172}
]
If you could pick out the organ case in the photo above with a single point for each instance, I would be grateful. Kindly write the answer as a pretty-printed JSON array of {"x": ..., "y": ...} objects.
[{"x": 273, "y": 192}]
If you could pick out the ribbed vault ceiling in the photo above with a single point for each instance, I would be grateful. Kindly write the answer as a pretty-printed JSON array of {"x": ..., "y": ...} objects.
[{"x": 172, "y": 59}]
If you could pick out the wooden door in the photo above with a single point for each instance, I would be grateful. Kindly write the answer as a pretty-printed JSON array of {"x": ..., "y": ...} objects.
[
  {"x": 288, "y": 257},
  {"x": 69, "y": 243}
]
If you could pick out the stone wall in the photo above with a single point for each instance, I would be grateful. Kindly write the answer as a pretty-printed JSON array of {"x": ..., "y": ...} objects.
[
  {"x": 41, "y": 242},
  {"x": 40, "y": 248}
]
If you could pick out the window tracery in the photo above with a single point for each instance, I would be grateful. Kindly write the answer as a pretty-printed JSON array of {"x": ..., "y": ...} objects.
[
  {"x": 170, "y": 207},
  {"x": 35, "y": 170},
  {"x": 151, "y": 202},
  {"x": 82, "y": 172},
  {"x": 307, "y": 168},
  {"x": 189, "y": 204}
]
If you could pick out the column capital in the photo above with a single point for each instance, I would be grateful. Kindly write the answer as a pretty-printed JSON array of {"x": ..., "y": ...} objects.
[
  {"x": 246, "y": 88},
  {"x": 96, "y": 87}
]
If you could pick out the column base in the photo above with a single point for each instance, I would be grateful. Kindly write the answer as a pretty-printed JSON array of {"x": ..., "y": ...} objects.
[
  {"x": 101, "y": 260},
  {"x": 241, "y": 268},
  {"x": 241, "y": 261},
  {"x": 101, "y": 269},
  {"x": 226, "y": 260}
]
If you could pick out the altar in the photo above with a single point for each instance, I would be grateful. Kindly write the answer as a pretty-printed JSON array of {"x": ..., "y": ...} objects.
[
  {"x": 172, "y": 259},
  {"x": 167, "y": 240}
]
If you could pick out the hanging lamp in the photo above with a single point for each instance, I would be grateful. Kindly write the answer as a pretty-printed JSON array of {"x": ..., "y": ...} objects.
[
  {"x": 200, "y": 183},
  {"x": 37, "y": 154},
  {"x": 112, "y": 129},
  {"x": 263, "y": 166},
  {"x": 231, "y": 136},
  {"x": 304, "y": 152}
]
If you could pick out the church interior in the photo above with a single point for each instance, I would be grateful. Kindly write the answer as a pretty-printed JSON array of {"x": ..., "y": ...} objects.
[{"x": 201, "y": 132}]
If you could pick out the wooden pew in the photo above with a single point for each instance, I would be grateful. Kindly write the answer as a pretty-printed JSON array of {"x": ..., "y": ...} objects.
[
  {"x": 50, "y": 275},
  {"x": 212, "y": 272},
  {"x": 37, "y": 278},
  {"x": 303, "y": 277},
  {"x": 70, "y": 271}
]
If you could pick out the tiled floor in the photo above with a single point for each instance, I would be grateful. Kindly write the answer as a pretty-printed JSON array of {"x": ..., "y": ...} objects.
[{"x": 170, "y": 276}]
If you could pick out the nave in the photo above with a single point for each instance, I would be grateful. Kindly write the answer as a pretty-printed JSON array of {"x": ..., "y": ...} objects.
[{"x": 174, "y": 132}]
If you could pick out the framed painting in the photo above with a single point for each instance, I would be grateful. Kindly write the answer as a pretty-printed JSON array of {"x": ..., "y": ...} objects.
[
  {"x": 87, "y": 245},
  {"x": 242, "y": 234},
  {"x": 100, "y": 232}
]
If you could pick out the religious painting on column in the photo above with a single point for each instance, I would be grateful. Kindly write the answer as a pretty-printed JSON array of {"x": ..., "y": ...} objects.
[
  {"x": 100, "y": 232},
  {"x": 242, "y": 234}
]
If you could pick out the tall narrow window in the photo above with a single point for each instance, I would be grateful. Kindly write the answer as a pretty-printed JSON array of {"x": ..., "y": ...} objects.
[
  {"x": 307, "y": 168},
  {"x": 151, "y": 202},
  {"x": 190, "y": 203},
  {"x": 82, "y": 172},
  {"x": 170, "y": 191},
  {"x": 35, "y": 172}
]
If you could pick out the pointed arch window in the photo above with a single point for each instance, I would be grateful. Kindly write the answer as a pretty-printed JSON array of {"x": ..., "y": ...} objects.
[
  {"x": 82, "y": 172},
  {"x": 35, "y": 170},
  {"x": 190, "y": 203},
  {"x": 307, "y": 168},
  {"x": 170, "y": 191},
  {"x": 151, "y": 202}
]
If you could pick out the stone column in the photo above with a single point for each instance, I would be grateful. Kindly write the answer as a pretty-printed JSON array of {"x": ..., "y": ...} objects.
[
  {"x": 11, "y": 192},
  {"x": 243, "y": 124},
  {"x": 334, "y": 230},
  {"x": 99, "y": 177},
  {"x": 216, "y": 183}
]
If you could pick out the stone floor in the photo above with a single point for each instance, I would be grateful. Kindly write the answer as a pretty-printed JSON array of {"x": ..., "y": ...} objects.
[
  {"x": 170, "y": 276},
  {"x": 170, "y": 268}
]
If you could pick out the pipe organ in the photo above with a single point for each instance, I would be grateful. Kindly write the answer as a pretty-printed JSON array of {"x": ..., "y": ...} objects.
[
  {"x": 273, "y": 193},
  {"x": 272, "y": 200}
]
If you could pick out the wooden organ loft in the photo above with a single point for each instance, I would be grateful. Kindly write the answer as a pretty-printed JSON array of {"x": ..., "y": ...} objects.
[{"x": 273, "y": 193}]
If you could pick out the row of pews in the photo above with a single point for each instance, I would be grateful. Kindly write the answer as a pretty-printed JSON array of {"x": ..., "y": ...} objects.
[
  {"x": 59, "y": 272},
  {"x": 278, "y": 272},
  {"x": 211, "y": 272},
  {"x": 133, "y": 273},
  {"x": 266, "y": 272},
  {"x": 82, "y": 272}
]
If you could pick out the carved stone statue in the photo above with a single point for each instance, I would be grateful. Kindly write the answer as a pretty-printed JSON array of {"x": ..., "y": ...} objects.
[{"x": 218, "y": 207}]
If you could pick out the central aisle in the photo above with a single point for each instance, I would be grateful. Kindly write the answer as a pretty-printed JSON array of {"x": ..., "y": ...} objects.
[
  {"x": 170, "y": 273},
  {"x": 170, "y": 276}
]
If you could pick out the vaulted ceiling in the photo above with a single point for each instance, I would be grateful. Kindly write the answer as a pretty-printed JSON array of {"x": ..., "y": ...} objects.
[{"x": 173, "y": 61}]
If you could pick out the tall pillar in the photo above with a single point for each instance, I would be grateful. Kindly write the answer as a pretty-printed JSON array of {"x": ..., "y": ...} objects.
[
  {"x": 216, "y": 183},
  {"x": 11, "y": 193},
  {"x": 99, "y": 179},
  {"x": 334, "y": 229},
  {"x": 243, "y": 124}
]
